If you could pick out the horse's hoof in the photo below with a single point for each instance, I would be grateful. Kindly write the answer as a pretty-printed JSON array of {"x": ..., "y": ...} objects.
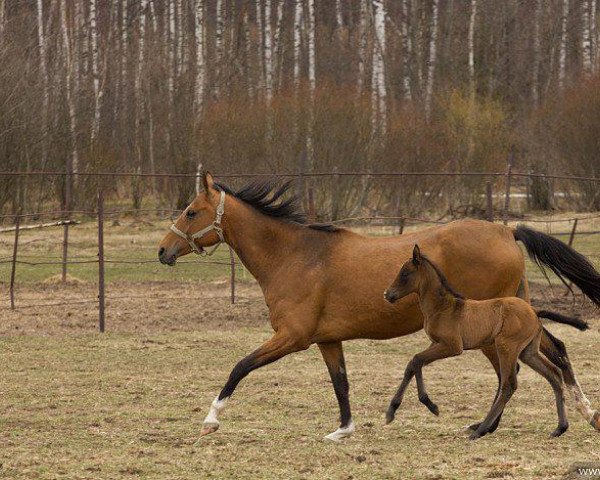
[
  {"x": 342, "y": 432},
  {"x": 475, "y": 435},
  {"x": 559, "y": 431},
  {"x": 433, "y": 408},
  {"x": 208, "y": 428},
  {"x": 595, "y": 421},
  {"x": 473, "y": 426}
]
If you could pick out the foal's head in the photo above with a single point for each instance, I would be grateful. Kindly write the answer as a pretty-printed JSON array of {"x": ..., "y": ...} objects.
[
  {"x": 198, "y": 215},
  {"x": 408, "y": 279}
]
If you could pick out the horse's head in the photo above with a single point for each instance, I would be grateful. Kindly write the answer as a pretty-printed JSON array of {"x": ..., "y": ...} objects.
[
  {"x": 198, "y": 226},
  {"x": 408, "y": 278}
]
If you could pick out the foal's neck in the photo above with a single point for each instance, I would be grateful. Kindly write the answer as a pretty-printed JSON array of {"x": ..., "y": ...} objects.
[{"x": 434, "y": 297}]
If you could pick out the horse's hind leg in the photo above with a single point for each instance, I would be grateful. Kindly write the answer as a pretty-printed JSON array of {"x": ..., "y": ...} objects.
[
  {"x": 555, "y": 350},
  {"x": 531, "y": 356},
  {"x": 334, "y": 359}
]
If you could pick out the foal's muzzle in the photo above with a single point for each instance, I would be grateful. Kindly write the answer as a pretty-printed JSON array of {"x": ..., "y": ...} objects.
[{"x": 390, "y": 296}]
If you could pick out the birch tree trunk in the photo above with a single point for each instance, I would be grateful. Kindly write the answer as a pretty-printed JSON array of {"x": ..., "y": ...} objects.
[
  {"x": 472, "y": 20},
  {"x": 219, "y": 47},
  {"x": 378, "y": 93},
  {"x": 139, "y": 107},
  {"x": 297, "y": 42},
  {"x": 406, "y": 52},
  {"x": 432, "y": 58},
  {"x": 311, "y": 83},
  {"x": 95, "y": 73},
  {"x": 73, "y": 160},
  {"x": 586, "y": 39},
  {"x": 45, "y": 80},
  {"x": 124, "y": 52},
  {"x": 180, "y": 38},
  {"x": 2, "y": 19},
  {"x": 363, "y": 45},
  {"x": 171, "y": 47},
  {"x": 268, "y": 52},
  {"x": 199, "y": 34},
  {"x": 562, "y": 57},
  {"x": 278, "y": 45},
  {"x": 594, "y": 35},
  {"x": 535, "y": 80}
]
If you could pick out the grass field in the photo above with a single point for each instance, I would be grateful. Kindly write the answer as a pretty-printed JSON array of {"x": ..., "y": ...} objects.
[{"x": 75, "y": 404}]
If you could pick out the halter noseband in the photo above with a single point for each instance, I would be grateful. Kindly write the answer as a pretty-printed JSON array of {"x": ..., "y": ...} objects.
[{"x": 216, "y": 226}]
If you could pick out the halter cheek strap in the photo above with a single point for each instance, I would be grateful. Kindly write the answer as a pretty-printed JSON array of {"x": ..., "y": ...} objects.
[{"x": 215, "y": 225}]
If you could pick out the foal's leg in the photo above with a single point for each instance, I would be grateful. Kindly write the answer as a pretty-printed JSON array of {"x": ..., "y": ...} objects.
[
  {"x": 278, "y": 346},
  {"x": 492, "y": 355},
  {"x": 333, "y": 355},
  {"x": 507, "y": 354},
  {"x": 436, "y": 351},
  {"x": 531, "y": 356}
]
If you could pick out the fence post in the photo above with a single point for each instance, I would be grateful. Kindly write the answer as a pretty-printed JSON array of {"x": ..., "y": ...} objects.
[
  {"x": 232, "y": 260},
  {"x": 67, "y": 208},
  {"x": 311, "y": 204},
  {"x": 14, "y": 263},
  {"x": 101, "y": 261},
  {"x": 490, "y": 204},
  {"x": 508, "y": 182}
]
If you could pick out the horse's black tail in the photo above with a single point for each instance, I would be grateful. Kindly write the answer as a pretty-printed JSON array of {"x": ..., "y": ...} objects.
[
  {"x": 557, "y": 317},
  {"x": 563, "y": 260}
]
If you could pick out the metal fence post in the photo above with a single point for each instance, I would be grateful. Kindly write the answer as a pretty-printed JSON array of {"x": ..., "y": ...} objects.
[
  {"x": 101, "y": 261},
  {"x": 14, "y": 263},
  {"x": 490, "y": 204},
  {"x": 508, "y": 184}
]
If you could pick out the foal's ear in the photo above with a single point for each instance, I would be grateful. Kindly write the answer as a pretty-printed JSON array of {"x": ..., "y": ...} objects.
[
  {"x": 416, "y": 255},
  {"x": 208, "y": 182}
]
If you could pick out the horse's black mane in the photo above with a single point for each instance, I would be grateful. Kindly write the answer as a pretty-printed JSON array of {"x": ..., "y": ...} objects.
[
  {"x": 267, "y": 197},
  {"x": 444, "y": 281}
]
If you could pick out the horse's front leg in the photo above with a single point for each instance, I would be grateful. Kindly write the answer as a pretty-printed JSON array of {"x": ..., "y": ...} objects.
[
  {"x": 333, "y": 355},
  {"x": 278, "y": 346}
]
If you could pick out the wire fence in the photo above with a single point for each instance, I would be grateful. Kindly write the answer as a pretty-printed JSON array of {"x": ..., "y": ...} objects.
[{"x": 22, "y": 222}]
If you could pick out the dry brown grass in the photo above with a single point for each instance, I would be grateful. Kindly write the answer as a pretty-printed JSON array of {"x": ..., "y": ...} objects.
[{"x": 130, "y": 403}]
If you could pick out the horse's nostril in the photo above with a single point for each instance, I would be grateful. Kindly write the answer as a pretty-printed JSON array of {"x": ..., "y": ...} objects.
[{"x": 161, "y": 250}]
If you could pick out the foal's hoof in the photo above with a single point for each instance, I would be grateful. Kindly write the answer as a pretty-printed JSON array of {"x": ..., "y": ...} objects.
[
  {"x": 390, "y": 415},
  {"x": 474, "y": 426},
  {"x": 475, "y": 435},
  {"x": 559, "y": 431},
  {"x": 342, "y": 432},
  {"x": 595, "y": 421},
  {"x": 209, "y": 428}
]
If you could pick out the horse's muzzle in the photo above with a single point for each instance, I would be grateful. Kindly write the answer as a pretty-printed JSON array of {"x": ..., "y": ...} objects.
[
  {"x": 390, "y": 296},
  {"x": 166, "y": 258}
]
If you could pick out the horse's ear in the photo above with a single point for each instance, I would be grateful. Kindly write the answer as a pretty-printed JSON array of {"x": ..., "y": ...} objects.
[
  {"x": 416, "y": 255},
  {"x": 208, "y": 182}
]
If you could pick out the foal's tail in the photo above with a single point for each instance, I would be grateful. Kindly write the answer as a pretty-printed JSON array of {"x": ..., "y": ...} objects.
[
  {"x": 557, "y": 317},
  {"x": 564, "y": 261}
]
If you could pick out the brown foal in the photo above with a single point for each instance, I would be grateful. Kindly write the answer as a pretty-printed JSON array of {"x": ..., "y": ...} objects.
[{"x": 454, "y": 324}]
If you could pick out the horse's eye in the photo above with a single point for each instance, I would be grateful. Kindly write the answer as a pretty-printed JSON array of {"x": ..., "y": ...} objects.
[{"x": 190, "y": 214}]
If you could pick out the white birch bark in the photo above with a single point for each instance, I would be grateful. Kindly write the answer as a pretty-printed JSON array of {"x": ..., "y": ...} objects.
[
  {"x": 586, "y": 40},
  {"x": 594, "y": 35},
  {"x": 139, "y": 94},
  {"x": 77, "y": 35},
  {"x": 562, "y": 56},
  {"x": 153, "y": 17},
  {"x": 95, "y": 74},
  {"x": 180, "y": 39},
  {"x": 45, "y": 80},
  {"x": 406, "y": 51},
  {"x": 278, "y": 44},
  {"x": 268, "y": 41},
  {"x": 471, "y": 42},
  {"x": 432, "y": 58},
  {"x": 378, "y": 100},
  {"x": 199, "y": 35},
  {"x": 124, "y": 48},
  {"x": 535, "y": 80},
  {"x": 171, "y": 47},
  {"x": 73, "y": 162},
  {"x": 338, "y": 16},
  {"x": 363, "y": 44},
  {"x": 260, "y": 45},
  {"x": 311, "y": 47},
  {"x": 219, "y": 46},
  {"x": 297, "y": 41},
  {"x": 2, "y": 19}
]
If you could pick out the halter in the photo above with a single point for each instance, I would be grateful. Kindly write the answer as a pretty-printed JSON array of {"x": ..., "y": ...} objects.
[{"x": 215, "y": 225}]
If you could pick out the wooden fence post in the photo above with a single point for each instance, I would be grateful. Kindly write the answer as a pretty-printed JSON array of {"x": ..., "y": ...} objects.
[
  {"x": 490, "y": 202},
  {"x": 101, "y": 261},
  {"x": 571, "y": 239},
  {"x": 508, "y": 184},
  {"x": 67, "y": 209},
  {"x": 14, "y": 263},
  {"x": 232, "y": 260},
  {"x": 311, "y": 205}
]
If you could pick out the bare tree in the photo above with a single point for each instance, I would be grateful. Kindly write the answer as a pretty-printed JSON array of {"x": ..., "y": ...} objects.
[
  {"x": 562, "y": 59},
  {"x": 432, "y": 57}
]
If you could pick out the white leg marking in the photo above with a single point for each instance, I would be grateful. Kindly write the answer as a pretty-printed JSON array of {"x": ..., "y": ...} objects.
[
  {"x": 341, "y": 432},
  {"x": 583, "y": 404},
  {"x": 211, "y": 422}
]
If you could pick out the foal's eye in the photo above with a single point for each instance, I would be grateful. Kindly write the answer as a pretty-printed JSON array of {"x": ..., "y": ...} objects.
[{"x": 190, "y": 214}]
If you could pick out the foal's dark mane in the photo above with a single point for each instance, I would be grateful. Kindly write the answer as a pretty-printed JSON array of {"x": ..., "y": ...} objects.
[
  {"x": 267, "y": 197},
  {"x": 443, "y": 280}
]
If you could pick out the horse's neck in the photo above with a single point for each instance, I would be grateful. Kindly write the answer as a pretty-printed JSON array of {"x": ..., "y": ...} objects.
[
  {"x": 262, "y": 243},
  {"x": 433, "y": 297}
]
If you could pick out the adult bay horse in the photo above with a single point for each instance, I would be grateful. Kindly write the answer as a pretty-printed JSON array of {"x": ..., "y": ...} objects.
[{"x": 305, "y": 272}]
